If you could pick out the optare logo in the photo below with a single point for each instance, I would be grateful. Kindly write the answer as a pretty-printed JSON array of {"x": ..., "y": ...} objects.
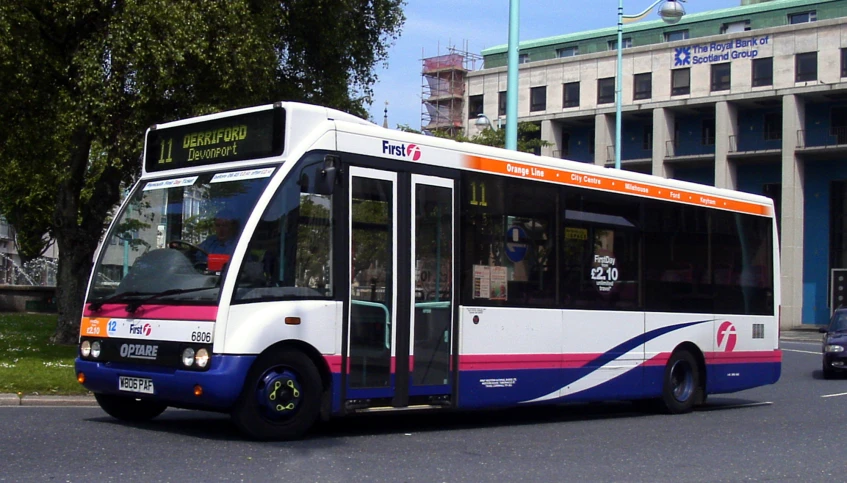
[
  {"x": 682, "y": 56},
  {"x": 138, "y": 329},
  {"x": 140, "y": 351},
  {"x": 727, "y": 336},
  {"x": 408, "y": 151}
]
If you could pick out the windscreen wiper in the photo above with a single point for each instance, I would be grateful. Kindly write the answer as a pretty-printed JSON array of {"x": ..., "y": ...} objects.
[
  {"x": 97, "y": 305},
  {"x": 133, "y": 306}
]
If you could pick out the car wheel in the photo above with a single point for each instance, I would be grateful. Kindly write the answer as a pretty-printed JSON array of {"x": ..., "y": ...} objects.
[
  {"x": 281, "y": 397},
  {"x": 129, "y": 408},
  {"x": 681, "y": 387}
]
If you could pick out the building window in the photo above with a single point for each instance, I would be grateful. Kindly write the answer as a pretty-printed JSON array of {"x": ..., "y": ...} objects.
[
  {"x": 763, "y": 72},
  {"x": 474, "y": 106},
  {"x": 773, "y": 126},
  {"x": 734, "y": 27},
  {"x": 675, "y": 35},
  {"x": 627, "y": 43},
  {"x": 803, "y": 17},
  {"x": 567, "y": 51},
  {"x": 838, "y": 124},
  {"x": 606, "y": 90},
  {"x": 570, "y": 94},
  {"x": 647, "y": 138},
  {"x": 708, "y": 132},
  {"x": 843, "y": 62},
  {"x": 523, "y": 58},
  {"x": 501, "y": 103},
  {"x": 591, "y": 138},
  {"x": 720, "y": 77},
  {"x": 643, "y": 86},
  {"x": 806, "y": 67},
  {"x": 538, "y": 98},
  {"x": 6, "y": 230},
  {"x": 566, "y": 143},
  {"x": 680, "y": 81}
]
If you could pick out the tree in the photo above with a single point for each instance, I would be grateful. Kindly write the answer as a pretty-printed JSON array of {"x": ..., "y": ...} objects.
[{"x": 82, "y": 79}]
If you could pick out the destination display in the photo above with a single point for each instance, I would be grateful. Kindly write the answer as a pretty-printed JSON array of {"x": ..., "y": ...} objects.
[{"x": 246, "y": 136}]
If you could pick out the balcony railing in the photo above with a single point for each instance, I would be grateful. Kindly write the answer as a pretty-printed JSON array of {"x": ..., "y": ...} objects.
[
  {"x": 627, "y": 154},
  {"x": 823, "y": 137},
  {"x": 750, "y": 141},
  {"x": 674, "y": 149}
]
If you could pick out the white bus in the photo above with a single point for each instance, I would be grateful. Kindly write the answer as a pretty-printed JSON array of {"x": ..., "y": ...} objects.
[{"x": 290, "y": 262}]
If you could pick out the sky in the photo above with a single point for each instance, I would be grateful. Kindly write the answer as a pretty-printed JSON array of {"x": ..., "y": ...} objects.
[{"x": 432, "y": 26}]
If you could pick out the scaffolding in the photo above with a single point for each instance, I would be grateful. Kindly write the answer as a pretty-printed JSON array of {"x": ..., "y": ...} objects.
[{"x": 444, "y": 80}]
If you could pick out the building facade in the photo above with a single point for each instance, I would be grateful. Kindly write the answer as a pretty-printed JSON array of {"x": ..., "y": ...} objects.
[{"x": 751, "y": 98}]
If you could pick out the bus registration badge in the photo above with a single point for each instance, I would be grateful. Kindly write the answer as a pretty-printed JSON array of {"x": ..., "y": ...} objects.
[{"x": 135, "y": 384}]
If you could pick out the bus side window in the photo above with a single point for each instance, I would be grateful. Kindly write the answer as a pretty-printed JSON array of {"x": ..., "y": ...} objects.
[{"x": 292, "y": 245}]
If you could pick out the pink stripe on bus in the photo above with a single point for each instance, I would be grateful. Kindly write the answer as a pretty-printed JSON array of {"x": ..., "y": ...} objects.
[
  {"x": 744, "y": 357},
  {"x": 491, "y": 362},
  {"x": 172, "y": 312},
  {"x": 334, "y": 363},
  {"x": 523, "y": 361},
  {"x": 659, "y": 359}
]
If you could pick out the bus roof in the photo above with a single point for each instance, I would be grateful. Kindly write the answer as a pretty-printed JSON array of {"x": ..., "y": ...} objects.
[
  {"x": 361, "y": 136},
  {"x": 501, "y": 161}
]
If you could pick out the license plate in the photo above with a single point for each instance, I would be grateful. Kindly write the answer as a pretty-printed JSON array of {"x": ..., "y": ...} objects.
[{"x": 135, "y": 384}]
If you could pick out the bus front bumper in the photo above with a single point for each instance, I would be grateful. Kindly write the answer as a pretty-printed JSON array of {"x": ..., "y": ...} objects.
[{"x": 220, "y": 385}]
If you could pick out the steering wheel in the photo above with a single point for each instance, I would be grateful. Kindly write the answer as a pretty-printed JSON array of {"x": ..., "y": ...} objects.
[{"x": 191, "y": 246}]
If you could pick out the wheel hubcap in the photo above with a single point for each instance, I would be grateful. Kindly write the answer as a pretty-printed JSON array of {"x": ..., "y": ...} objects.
[
  {"x": 279, "y": 393},
  {"x": 682, "y": 381}
]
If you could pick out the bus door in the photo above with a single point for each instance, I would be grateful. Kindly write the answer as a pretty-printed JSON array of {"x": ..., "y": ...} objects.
[{"x": 400, "y": 325}]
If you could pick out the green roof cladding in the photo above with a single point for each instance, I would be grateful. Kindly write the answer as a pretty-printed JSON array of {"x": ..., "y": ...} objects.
[{"x": 761, "y": 15}]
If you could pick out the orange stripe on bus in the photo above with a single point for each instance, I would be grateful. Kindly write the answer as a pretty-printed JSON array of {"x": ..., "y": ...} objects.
[
  {"x": 94, "y": 327},
  {"x": 573, "y": 178}
]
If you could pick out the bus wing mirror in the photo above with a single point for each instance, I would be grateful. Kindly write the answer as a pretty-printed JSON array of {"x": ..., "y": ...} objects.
[{"x": 332, "y": 168}]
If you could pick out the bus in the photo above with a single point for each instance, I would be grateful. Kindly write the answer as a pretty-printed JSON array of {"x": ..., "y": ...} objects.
[{"x": 288, "y": 263}]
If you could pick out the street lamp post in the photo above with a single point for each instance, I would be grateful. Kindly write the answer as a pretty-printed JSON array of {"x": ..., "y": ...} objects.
[
  {"x": 512, "y": 78},
  {"x": 484, "y": 122},
  {"x": 671, "y": 12}
]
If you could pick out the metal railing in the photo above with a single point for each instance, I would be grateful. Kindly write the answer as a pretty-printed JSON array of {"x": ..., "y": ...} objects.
[
  {"x": 626, "y": 155},
  {"x": 813, "y": 138},
  {"x": 757, "y": 140},
  {"x": 674, "y": 149}
]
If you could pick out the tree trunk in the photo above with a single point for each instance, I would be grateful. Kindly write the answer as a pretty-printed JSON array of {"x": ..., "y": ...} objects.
[
  {"x": 77, "y": 226},
  {"x": 71, "y": 281}
]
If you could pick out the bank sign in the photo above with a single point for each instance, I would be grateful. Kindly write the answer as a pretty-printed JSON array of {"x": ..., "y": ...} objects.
[{"x": 719, "y": 51}]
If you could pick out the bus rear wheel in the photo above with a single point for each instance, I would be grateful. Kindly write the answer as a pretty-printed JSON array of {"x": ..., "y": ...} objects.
[
  {"x": 281, "y": 397},
  {"x": 681, "y": 388},
  {"x": 129, "y": 408}
]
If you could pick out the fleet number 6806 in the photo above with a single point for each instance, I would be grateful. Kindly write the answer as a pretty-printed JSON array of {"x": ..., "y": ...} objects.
[{"x": 201, "y": 336}]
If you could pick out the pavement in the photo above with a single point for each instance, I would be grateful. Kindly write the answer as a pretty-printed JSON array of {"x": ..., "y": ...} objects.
[{"x": 800, "y": 334}]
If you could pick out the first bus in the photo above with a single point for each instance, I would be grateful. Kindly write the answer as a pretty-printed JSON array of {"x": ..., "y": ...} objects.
[{"x": 289, "y": 262}]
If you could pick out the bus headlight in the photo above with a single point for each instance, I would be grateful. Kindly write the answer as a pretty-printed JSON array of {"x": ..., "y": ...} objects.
[
  {"x": 202, "y": 358},
  {"x": 188, "y": 357},
  {"x": 85, "y": 348},
  {"x": 95, "y": 349}
]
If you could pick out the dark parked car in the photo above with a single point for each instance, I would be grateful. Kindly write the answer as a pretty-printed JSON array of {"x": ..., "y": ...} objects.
[{"x": 834, "y": 344}]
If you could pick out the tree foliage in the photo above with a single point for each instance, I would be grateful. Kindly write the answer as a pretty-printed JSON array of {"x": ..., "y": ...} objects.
[{"x": 83, "y": 79}]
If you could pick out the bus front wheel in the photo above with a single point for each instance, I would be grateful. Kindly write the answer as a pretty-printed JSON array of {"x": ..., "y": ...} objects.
[
  {"x": 128, "y": 408},
  {"x": 281, "y": 397},
  {"x": 681, "y": 388}
]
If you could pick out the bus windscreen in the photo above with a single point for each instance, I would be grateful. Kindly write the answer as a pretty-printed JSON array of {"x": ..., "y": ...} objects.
[{"x": 254, "y": 135}]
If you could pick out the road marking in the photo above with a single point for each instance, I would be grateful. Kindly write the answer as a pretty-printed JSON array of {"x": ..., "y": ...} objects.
[
  {"x": 802, "y": 352},
  {"x": 835, "y": 395}
]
